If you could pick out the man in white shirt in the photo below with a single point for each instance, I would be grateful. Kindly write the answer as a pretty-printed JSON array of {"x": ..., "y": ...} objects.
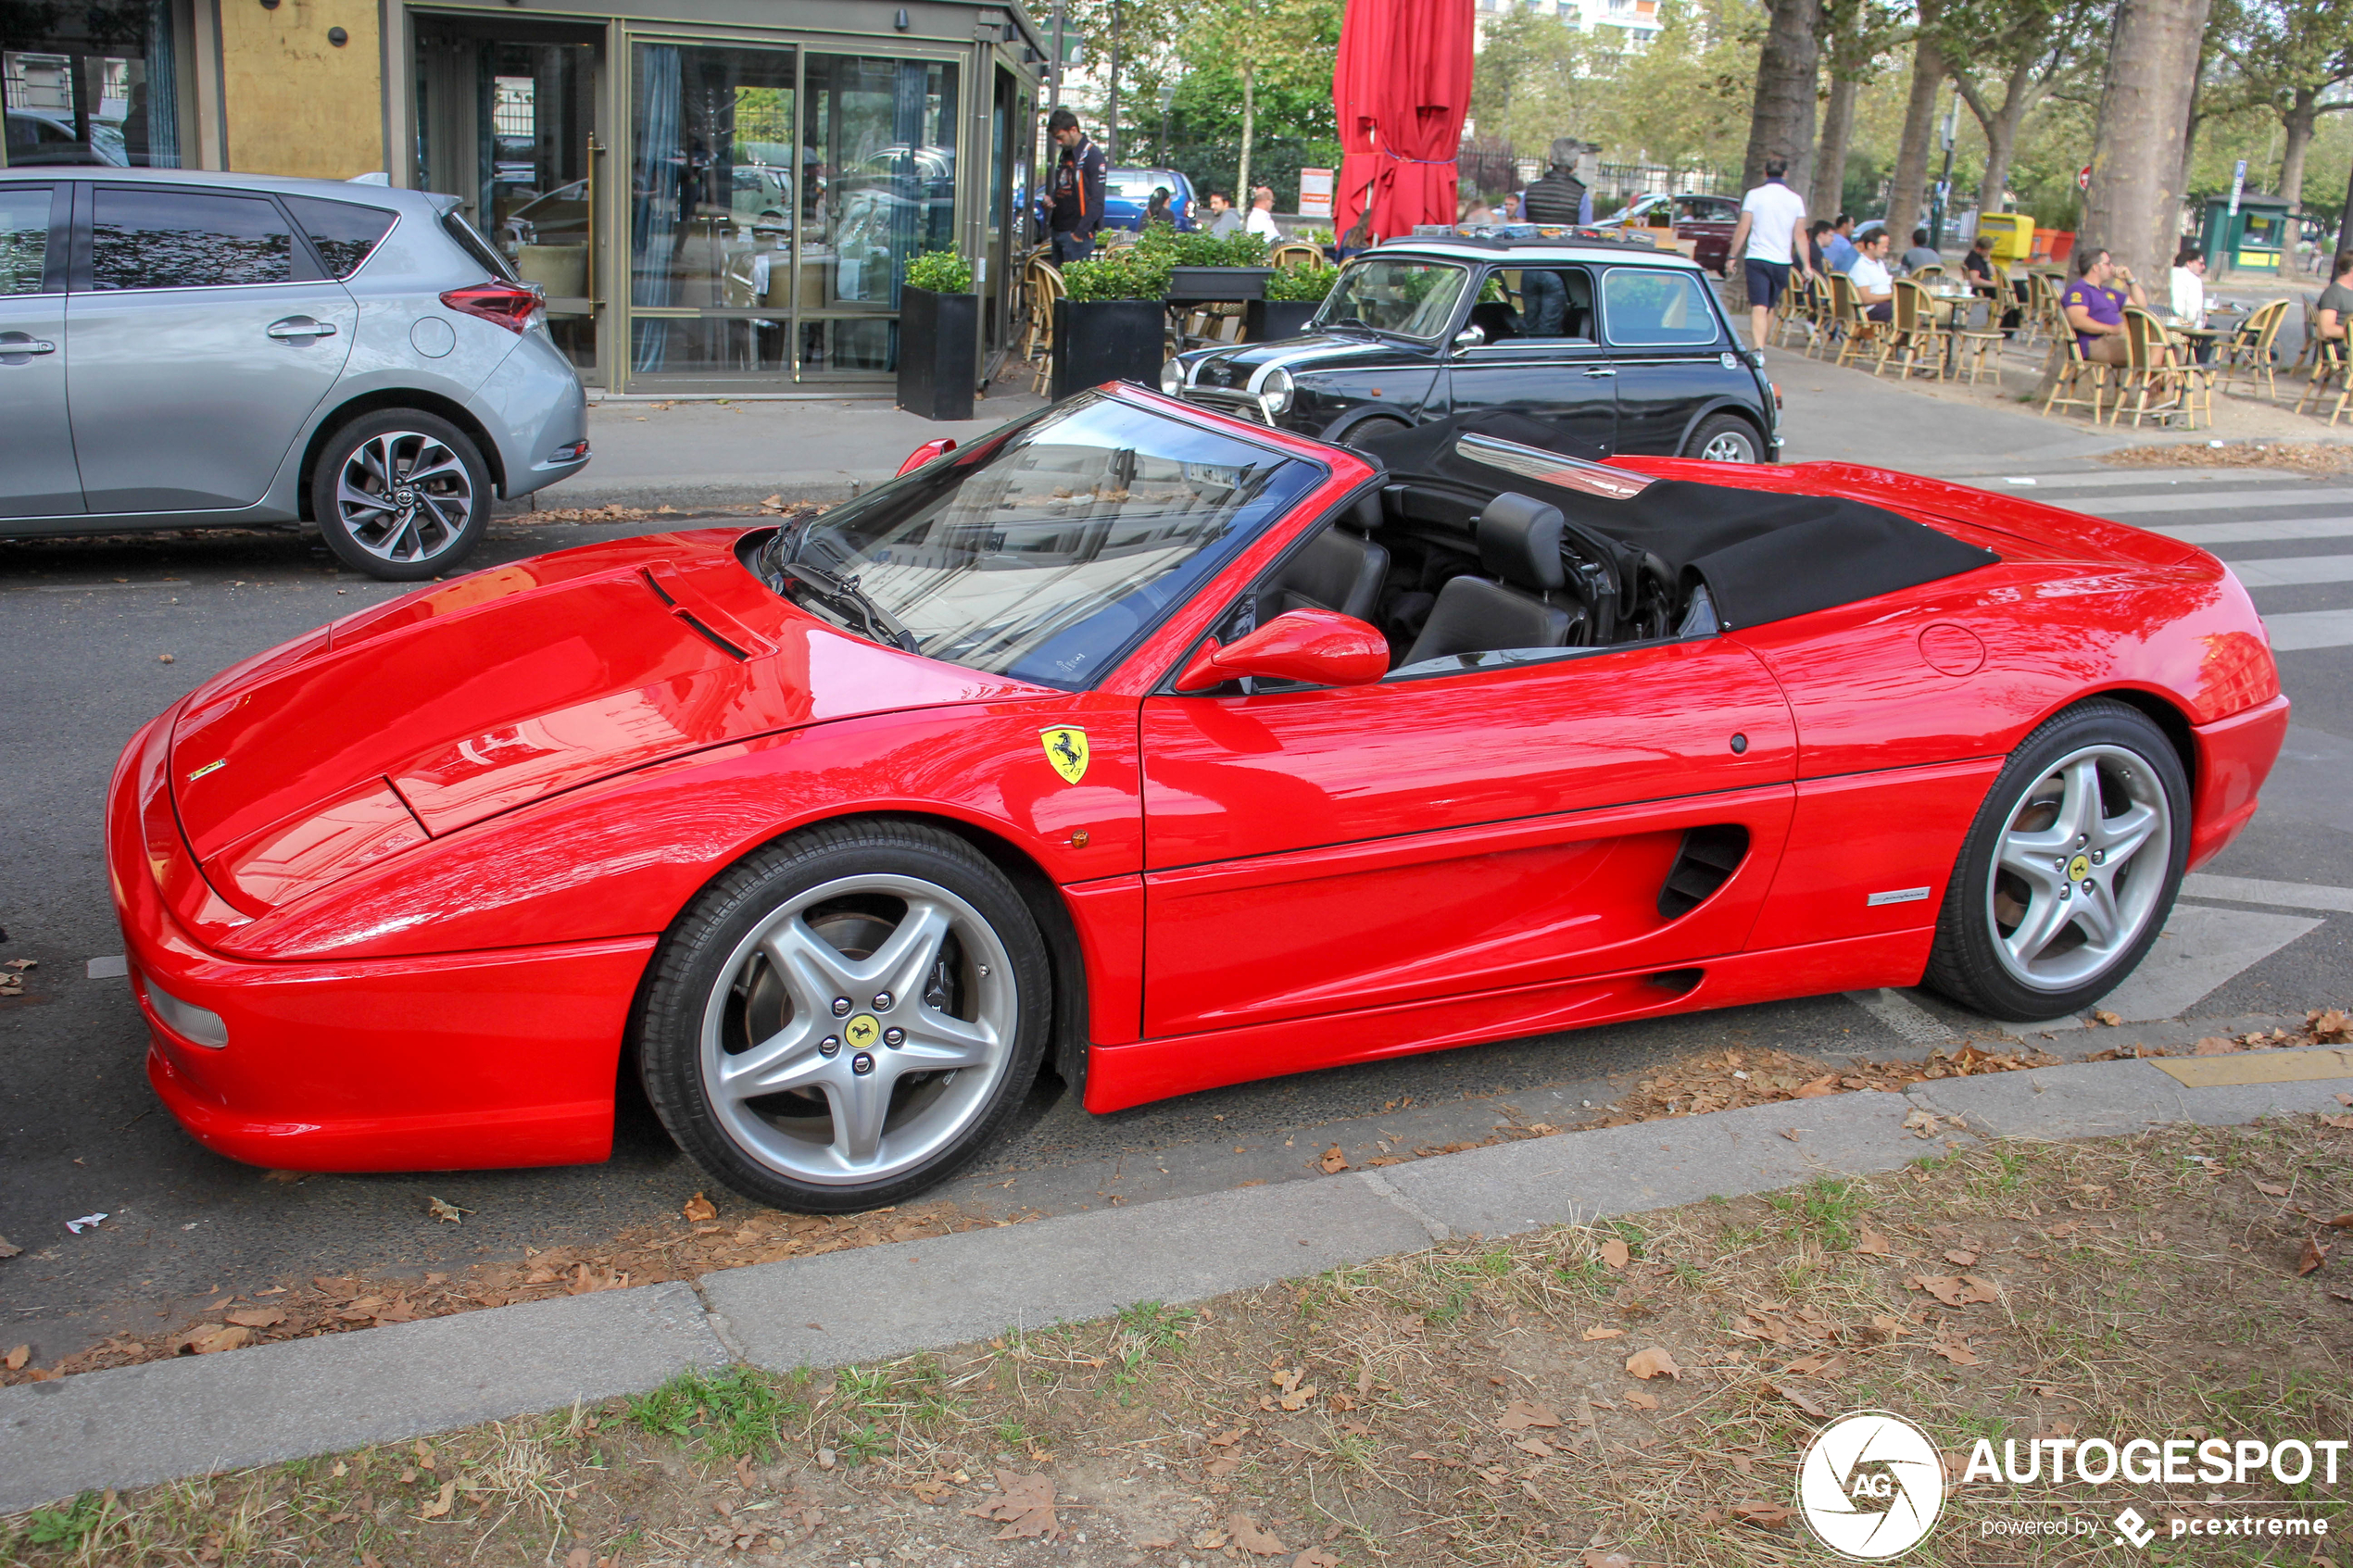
[
  {"x": 1772, "y": 216},
  {"x": 1871, "y": 278},
  {"x": 1261, "y": 215}
]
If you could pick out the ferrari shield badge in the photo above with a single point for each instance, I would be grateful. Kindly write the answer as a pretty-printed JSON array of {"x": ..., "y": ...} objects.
[{"x": 1066, "y": 749}]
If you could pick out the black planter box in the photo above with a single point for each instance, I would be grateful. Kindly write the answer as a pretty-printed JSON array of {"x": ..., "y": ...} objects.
[
  {"x": 1217, "y": 285},
  {"x": 939, "y": 347},
  {"x": 1263, "y": 320},
  {"x": 1101, "y": 340}
]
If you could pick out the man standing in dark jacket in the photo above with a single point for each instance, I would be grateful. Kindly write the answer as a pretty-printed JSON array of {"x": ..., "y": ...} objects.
[
  {"x": 1559, "y": 196},
  {"x": 1077, "y": 189}
]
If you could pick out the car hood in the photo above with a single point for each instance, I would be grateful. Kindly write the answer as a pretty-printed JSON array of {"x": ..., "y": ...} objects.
[
  {"x": 414, "y": 718},
  {"x": 1316, "y": 351}
]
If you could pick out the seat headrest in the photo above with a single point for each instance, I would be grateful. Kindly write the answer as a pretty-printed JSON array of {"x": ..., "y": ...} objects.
[{"x": 1520, "y": 541}]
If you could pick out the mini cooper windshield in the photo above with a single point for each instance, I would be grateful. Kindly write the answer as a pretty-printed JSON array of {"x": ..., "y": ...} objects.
[
  {"x": 1047, "y": 558},
  {"x": 1395, "y": 295}
]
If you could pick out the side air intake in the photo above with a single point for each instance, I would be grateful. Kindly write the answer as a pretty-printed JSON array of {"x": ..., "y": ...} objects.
[{"x": 1710, "y": 856}]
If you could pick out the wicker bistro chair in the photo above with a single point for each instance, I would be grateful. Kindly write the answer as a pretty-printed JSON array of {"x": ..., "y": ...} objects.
[
  {"x": 1979, "y": 349},
  {"x": 2306, "y": 355},
  {"x": 2045, "y": 320},
  {"x": 2147, "y": 370},
  {"x": 2067, "y": 386},
  {"x": 1918, "y": 340},
  {"x": 2332, "y": 364},
  {"x": 1041, "y": 284},
  {"x": 1806, "y": 305},
  {"x": 1855, "y": 331},
  {"x": 2248, "y": 352},
  {"x": 1295, "y": 253},
  {"x": 1932, "y": 273}
]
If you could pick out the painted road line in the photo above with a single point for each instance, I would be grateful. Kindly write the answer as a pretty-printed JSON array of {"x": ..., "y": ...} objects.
[
  {"x": 1906, "y": 1017},
  {"x": 2203, "y": 948},
  {"x": 2306, "y": 629},
  {"x": 2256, "y": 1067},
  {"x": 2281, "y": 894},
  {"x": 2212, "y": 534},
  {"x": 2318, "y": 495},
  {"x": 95, "y": 587},
  {"x": 2294, "y": 572}
]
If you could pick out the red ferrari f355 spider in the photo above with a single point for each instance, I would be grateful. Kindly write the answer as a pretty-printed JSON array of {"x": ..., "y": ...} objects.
[{"x": 1170, "y": 751}]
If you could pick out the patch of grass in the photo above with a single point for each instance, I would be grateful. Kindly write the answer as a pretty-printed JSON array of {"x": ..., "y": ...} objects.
[
  {"x": 66, "y": 1526},
  {"x": 1827, "y": 1210},
  {"x": 739, "y": 1412}
]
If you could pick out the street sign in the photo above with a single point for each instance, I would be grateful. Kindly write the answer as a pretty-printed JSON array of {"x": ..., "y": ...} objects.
[
  {"x": 1316, "y": 192},
  {"x": 2238, "y": 186},
  {"x": 2083, "y": 178}
]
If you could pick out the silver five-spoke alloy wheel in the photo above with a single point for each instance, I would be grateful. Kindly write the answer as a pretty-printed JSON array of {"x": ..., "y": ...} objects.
[
  {"x": 858, "y": 1029},
  {"x": 1727, "y": 447},
  {"x": 2081, "y": 867},
  {"x": 404, "y": 496}
]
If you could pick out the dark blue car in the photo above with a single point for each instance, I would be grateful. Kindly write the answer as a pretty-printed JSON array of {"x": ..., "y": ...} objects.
[{"x": 1129, "y": 190}]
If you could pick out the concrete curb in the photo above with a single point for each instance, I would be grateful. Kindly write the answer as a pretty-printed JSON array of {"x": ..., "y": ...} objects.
[{"x": 140, "y": 1425}]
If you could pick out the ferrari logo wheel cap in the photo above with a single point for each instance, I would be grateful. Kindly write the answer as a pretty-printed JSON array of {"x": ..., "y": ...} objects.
[
  {"x": 2078, "y": 868},
  {"x": 1066, "y": 749},
  {"x": 862, "y": 1031}
]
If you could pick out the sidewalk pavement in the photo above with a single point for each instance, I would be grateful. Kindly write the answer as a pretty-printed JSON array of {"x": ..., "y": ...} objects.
[{"x": 140, "y": 1425}]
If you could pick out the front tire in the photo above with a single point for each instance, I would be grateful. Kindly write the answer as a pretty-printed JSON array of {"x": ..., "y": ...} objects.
[
  {"x": 2071, "y": 868},
  {"x": 1723, "y": 438},
  {"x": 845, "y": 1018},
  {"x": 1355, "y": 435},
  {"x": 401, "y": 494}
]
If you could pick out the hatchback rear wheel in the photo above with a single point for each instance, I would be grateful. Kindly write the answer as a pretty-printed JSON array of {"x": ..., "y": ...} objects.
[
  {"x": 1723, "y": 438},
  {"x": 401, "y": 494}
]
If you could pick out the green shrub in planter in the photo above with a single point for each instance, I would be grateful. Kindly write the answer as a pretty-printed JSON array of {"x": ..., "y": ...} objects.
[
  {"x": 1302, "y": 283},
  {"x": 941, "y": 272},
  {"x": 1129, "y": 272}
]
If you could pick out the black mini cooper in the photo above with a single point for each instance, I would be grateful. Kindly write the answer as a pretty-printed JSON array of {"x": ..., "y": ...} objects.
[{"x": 1624, "y": 346}]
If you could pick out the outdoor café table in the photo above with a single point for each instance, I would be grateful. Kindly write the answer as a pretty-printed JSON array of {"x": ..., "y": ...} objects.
[{"x": 1954, "y": 304}]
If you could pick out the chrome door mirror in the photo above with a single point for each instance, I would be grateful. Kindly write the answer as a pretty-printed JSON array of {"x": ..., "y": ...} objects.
[{"x": 1469, "y": 337}]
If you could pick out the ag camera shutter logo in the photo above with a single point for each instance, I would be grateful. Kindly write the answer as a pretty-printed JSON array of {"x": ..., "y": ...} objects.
[{"x": 1871, "y": 1485}]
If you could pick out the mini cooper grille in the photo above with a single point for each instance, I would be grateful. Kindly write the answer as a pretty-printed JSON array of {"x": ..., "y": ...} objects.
[{"x": 1710, "y": 856}]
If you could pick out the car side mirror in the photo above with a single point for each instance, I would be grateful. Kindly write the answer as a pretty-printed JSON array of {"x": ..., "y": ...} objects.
[
  {"x": 937, "y": 446},
  {"x": 1315, "y": 647},
  {"x": 1470, "y": 337}
]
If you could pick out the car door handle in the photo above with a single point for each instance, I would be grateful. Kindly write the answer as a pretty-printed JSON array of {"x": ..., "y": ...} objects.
[
  {"x": 301, "y": 326},
  {"x": 1602, "y": 370},
  {"x": 17, "y": 342}
]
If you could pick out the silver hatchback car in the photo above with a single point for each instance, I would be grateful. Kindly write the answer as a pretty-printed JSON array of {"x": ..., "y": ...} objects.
[{"x": 185, "y": 349}]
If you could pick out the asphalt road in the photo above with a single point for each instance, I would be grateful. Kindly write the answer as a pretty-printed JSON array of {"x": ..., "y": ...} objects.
[{"x": 85, "y": 628}]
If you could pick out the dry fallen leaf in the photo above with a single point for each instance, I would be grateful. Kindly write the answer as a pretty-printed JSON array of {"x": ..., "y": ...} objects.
[
  {"x": 1251, "y": 1539},
  {"x": 6, "y": 1250},
  {"x": 440, "y": 1505},
  {"x": 1825, "y": 1084},
  {"x": 1961, "y": 1256},
  {"x": 1597, "y": 1558},
  {"x": 1640, "y": 1400},
  {"x": 1027, "y": 1508},
  {"x": 1521, "y": 1414},
  {"x": 1870, "y": 1241},
  {"x": 2314, "y": 1255},
  {"x": 441, "y": 1209},
  {"x": 259, "y": 1317},
  {"x": 1955, "y": 1352},
  {"x": 2271, "y": 1189},
  {"x": 1618, "y": 1333},
  {"x": 1315, "y": 1557},
  {"x": 16, "y": 1359},
  {"x": 1806, "y": 1402},
  {"x": 1767, "y": 1515},
  {"x": 1333, "y": 1160},
  {"x": 1652, "y": 1362},
  {"x": 1615, "y": 1253},
  {"x": 699, "y": 1208}
]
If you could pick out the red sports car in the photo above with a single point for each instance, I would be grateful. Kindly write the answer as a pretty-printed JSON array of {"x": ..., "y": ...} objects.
[{"x": 1169, "y": 751}]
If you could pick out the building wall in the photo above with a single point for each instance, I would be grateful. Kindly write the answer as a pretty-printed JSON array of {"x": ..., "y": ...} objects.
[{"x": 295, "y": 102}]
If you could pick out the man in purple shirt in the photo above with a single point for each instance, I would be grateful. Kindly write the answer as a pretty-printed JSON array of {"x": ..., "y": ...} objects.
[{"x": 2094, "y": 311}]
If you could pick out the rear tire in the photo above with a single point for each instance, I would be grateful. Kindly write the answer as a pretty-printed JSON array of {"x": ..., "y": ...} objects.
[
  {"x": 1724, "y": 438},
  {"x": 401, "y": 494},
  {"x": 2071, "y": 869},
  {"x": 845, "y": 1018}
]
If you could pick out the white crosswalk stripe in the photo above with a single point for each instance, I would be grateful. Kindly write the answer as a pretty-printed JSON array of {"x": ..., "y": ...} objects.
[
  {"x": 2213, "y": 534},
  {"x": 2309, "y": 629},
  {"x": 2213, "y": 501},
  {"x": 2288, "y": 572}
]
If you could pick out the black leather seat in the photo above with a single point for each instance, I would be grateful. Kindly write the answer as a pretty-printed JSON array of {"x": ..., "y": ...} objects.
[
  {"x": 1497, "y": 320},
  {"x": 1336, "y": 570},
  {"x": 1519, "y": 542}
]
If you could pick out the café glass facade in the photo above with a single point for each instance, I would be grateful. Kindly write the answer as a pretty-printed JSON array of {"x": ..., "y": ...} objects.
[{"x": 726, "y": 202}]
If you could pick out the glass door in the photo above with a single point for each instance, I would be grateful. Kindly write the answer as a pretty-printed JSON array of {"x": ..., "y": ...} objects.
[
  {"x": 507, "y": 122},
  {"x": 713, "y": 179}
]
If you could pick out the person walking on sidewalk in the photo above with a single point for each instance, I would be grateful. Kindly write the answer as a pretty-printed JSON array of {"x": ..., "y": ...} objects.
[
  {"x": 1772, "y": 216},
  {"x": 1077, "y": 189}
]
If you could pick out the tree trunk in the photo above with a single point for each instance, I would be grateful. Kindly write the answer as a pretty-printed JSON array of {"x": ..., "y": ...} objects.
[
  {"x": 1829, "y": 193},
  {"x": 2300, "y": 122},
  {"x": 2344, "y": 227},
  {"x": 1919, "y": 123},
  {"x": 1781, "y": 125},
  {"x": 1111, "y": 109},
  {"x": 1249, "y": 127},
  {"x": 2022, "y": 92},
  {"x": 2133, "y": 207}
]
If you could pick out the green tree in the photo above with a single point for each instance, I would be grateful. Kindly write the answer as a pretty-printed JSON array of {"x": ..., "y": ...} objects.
[
  {"x": 1536, "y": 79},
  {"x": 1265, "y": 42},
  {"x": 1685, "y": 99},
  {"x": 2290, "y": 55},
  {"x": 2018, "y": 49},
  {"x": 1856, "y": 36}
]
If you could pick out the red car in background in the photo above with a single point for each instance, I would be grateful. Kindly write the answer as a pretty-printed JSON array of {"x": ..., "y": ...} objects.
[
  {"x": 1707, "y": 220},
  {"x": 1169, "y": 751}
]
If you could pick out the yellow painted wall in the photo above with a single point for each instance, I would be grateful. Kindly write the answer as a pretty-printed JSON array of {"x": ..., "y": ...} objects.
[{"x": 296, "y": 104}]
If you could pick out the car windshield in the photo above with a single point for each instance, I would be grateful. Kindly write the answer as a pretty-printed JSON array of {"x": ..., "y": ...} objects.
[
  {"x": 1395, "y": 295},
  {"x": 1047, "y": 557}
]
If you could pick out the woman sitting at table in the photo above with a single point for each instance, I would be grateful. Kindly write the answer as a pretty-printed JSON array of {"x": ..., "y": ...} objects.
[
  {"x": 2189, "y": 299},
  {"x": 1978, "y": 266}
]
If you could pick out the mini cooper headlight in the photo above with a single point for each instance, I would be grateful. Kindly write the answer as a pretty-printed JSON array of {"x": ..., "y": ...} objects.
[
  {"x": 1276, "y": 390},
  {"x": 1171, "y": 378}
]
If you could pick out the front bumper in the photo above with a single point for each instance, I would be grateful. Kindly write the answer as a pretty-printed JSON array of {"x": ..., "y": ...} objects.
[
  {"x": 452, "y": 1062},
  {"x": 2234, "y": 756}
]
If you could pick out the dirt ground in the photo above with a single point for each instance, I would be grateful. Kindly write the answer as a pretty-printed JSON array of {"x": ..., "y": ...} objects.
[
  {"x": 1637, "y": 1392},
  {"x": 2319, "y": 459}
]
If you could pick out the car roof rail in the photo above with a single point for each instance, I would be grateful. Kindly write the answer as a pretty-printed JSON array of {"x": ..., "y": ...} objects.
[{"x": 1515, "y": 236}]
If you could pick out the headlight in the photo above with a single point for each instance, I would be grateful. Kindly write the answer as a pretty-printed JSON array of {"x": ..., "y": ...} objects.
[
  {"x": 1171, "y": 378},
  {"x": 1276, "y": 390},
  {"x": 197, "y": 1025}
]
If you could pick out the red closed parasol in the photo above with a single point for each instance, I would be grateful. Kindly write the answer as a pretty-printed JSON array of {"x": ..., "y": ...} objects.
[{"x": 1401, "y": 88}]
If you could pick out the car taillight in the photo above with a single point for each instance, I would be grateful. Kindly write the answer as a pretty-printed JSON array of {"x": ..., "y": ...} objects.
[{"x": 516, "y": 307}]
